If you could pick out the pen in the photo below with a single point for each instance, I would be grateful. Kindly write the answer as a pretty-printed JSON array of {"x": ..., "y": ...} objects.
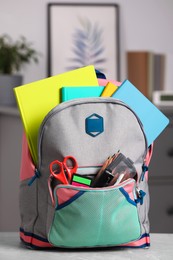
[
  {"x": 103, "y": 177},
  {"x": 121, "y": 176},
  {"x": 106, "y": 163}
]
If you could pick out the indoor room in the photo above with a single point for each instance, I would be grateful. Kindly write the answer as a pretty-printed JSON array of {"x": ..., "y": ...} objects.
[{"x": 79, "y": 59}]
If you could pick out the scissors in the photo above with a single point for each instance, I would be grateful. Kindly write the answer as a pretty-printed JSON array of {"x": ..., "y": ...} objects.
[{"x": 63, "y": 171}]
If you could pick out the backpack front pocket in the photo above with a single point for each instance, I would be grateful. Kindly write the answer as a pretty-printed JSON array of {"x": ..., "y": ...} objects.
[{"x": 94, "y": 217}]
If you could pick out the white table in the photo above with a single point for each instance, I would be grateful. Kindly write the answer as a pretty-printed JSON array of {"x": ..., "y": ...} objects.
[{"x": 161, "y": 249}]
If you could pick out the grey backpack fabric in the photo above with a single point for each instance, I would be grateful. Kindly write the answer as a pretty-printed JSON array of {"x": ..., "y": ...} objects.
[{"x": 89, "y": 129}]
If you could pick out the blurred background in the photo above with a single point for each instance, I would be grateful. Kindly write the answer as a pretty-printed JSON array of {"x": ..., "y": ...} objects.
[{"x": 145, "y": 49}]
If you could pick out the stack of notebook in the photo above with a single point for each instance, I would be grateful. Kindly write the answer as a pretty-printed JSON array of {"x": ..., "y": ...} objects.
[{"x": 36, "y": 99}]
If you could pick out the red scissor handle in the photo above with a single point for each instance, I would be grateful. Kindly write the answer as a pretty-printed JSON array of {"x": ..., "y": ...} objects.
[
  {"x": 57, "y": 171},
  {"x": 63, "y": 171},
  {"x": 70, "y": 165}
]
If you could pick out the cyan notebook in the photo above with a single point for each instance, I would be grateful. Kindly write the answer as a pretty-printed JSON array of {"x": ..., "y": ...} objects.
[
  {"x": 68, "y": 93},
  {"x": 153, "y": 120}
]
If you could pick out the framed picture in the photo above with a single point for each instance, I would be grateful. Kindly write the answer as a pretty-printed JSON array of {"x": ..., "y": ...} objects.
[{"x": 81, "y": 35}]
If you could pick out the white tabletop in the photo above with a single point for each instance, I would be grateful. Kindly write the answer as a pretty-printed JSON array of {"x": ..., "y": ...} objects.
[{"x": 161, "y": 249}]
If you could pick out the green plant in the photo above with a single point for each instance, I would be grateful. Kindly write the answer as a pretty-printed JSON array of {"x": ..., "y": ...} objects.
[{"x": 14, "y": 54}]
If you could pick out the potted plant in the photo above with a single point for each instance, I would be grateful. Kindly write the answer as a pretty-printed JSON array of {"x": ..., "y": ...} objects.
[{"x": 13, "y": 55}]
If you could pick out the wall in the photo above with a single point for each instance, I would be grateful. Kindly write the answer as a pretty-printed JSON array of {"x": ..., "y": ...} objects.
[{"x": 144, "y": 25}]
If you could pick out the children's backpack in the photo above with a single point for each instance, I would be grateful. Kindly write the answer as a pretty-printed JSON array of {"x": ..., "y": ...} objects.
[{"x": 66, "y": 215}]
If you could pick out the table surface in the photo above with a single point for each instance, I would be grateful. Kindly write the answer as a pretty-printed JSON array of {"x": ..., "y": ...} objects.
[{"x": 161, "y": 249}]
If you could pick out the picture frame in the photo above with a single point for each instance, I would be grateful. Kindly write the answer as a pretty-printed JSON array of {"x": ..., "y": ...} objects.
[{"x": 81, "y": 35}]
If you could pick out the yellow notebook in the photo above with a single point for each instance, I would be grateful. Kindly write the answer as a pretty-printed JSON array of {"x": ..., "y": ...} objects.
[
  {"x": 36, "y": 99},
  {"x": 109, "y": 89}
]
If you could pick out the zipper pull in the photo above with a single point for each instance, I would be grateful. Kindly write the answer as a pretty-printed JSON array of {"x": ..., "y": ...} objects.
[
  {"x": 140, "y": 196},
  {"x": 144, "y": 170},
  {"x": 36, "y": 175}
]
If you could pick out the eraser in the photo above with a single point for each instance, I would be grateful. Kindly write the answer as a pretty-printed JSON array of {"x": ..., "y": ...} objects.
[{"x": 81, "y": 180}]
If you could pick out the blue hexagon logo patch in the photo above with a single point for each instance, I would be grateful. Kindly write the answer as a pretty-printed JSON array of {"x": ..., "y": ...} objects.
[{"x": 94, "y": 125}]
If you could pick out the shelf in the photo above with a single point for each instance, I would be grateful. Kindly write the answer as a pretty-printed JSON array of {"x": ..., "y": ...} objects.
[
  {"x": 10, "y": 111},
  {"x": 165, "y": 109}
]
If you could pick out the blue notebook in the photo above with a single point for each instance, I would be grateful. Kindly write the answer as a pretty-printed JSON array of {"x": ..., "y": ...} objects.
[
  {"x": 68, "y": 93},
  {"x": 153, "y": 120}
]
